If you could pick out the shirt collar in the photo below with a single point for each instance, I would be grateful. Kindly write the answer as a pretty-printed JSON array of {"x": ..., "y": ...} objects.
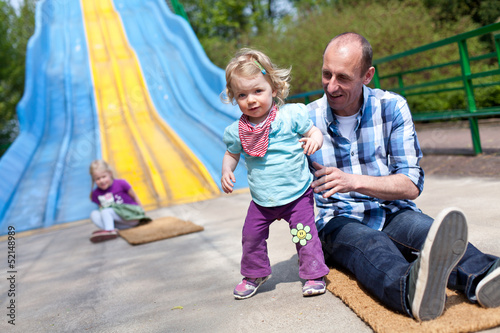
[
  {"x": 330, "y": 119},
  {"x": 366, "y": 92}
]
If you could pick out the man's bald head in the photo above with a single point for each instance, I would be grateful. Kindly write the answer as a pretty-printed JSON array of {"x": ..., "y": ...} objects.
[{"x": 354, "y": 38}]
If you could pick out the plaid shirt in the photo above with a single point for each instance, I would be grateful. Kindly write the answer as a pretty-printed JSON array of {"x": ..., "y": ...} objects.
[{"x": 386, "y": 143}]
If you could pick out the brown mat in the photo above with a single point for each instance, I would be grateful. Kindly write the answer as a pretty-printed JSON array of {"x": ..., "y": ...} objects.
[
  {"x": 161, "y": 228},
  {"x": 459, "y": 314}
]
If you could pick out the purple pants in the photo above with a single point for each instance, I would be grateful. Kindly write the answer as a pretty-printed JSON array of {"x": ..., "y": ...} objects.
[{"x": 255, "y": 262}]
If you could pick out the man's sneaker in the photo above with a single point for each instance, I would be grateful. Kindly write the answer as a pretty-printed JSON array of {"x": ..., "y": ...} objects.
[
  {"x": 103, "y": 235},
  {"x": 314, "y": 287},
  {"x": 247, "y": 287},
  {"x": 488, "y": 290},
  {"x": 444, "y": 246}
]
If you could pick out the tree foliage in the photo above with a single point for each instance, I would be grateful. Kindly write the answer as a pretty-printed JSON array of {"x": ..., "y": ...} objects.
[
  {"x": 292, "y": 32},
  {"x": 483, "y": 12},
  {"x": 391, "y": 26},
  {"x": 231, "y": 19},
  {"x": 15, "y": 28}
]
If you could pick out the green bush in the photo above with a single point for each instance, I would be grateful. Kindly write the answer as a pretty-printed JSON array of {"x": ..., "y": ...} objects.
[{"x": 391, "y": 27}]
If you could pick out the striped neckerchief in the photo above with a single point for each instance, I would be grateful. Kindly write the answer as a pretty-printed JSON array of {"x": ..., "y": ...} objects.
[{"x": 255, "y": 139}]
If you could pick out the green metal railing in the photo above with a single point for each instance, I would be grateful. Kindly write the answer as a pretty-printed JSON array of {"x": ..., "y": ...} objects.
[
  {"x": 178, "y": 9},
  {"x": 463, "y": 82}
]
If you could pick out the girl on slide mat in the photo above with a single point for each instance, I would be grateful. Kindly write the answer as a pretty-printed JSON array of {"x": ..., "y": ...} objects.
[
  {"x": 274, "y": 139},
  {"x": 119, "y": 206}
]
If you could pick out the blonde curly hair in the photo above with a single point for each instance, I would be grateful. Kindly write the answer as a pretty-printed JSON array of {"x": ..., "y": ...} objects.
[{"x": 244, "y": 64}]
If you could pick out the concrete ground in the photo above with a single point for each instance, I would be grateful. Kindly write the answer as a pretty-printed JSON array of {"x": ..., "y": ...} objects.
[{"x": 64, "y": 283}]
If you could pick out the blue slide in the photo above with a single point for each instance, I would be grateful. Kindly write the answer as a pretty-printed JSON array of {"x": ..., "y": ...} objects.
[
  {"x": 45, "y": 178},
  {"x": 183, "y": 83}
]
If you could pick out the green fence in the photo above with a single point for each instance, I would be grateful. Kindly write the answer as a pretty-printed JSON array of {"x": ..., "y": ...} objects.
[
  {"x": 404, "y": 82},
  {"x": 178, "y": 9}
]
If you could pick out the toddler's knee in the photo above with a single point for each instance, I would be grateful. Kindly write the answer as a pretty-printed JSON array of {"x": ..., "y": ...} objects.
[{"x": 95, "y": 214}]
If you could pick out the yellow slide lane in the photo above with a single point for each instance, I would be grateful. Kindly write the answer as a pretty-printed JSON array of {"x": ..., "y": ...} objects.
[{"x": 134, "y": 138}]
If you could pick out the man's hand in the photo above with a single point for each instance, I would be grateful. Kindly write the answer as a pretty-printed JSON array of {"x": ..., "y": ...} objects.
[
  {"x": 391, "y": 187},
  {"x": 332, "y": 179}
]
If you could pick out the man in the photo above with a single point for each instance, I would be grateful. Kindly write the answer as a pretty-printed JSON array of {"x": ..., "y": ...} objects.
[{"x": 366, "y": 175}]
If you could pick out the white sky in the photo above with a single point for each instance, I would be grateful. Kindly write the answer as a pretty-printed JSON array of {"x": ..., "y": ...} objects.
[{"x": 15, "y": 3}]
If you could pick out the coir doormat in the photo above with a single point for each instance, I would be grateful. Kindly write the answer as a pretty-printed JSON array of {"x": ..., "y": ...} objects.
[
  {"x": 158, "y": 229},
  {"x": 459, "y": 315}
]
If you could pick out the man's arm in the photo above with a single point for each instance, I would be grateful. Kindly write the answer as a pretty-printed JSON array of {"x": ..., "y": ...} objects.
[{"x": 392, "y": 187}]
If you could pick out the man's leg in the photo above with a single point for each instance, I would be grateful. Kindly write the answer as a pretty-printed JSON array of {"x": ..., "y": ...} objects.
[
  {"x": 444, "y": 246},
  {"x": 440, "y": 244},
  {"x": 371, "y": 256},
  {"x": 408, "y": 230},
  {"x": 380, "y": 266},
  {"x": 473, "y": 268},
  {"x": 488, "y": 289}
]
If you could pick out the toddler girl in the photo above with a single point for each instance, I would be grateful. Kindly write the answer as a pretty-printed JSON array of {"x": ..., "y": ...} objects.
[
  {"x": 274, "y": 139},
  {"x": 118, "y": 204}
]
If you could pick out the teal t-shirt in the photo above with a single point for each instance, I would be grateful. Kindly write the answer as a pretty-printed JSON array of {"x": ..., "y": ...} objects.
[{"x": 282, "y": 175}]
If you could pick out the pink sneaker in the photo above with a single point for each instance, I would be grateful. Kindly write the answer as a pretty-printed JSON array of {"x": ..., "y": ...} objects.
[
  {"x": 314, "y": 287},
  {"x": 103, "y": 235},
  {"x": 247, "y": 287}
]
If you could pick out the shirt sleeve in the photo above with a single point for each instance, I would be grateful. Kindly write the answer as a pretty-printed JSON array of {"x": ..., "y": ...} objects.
[
  {"x": 94, "y": 197},
  {"x": 404, "y": 148},
  {"x": 300, "y": 119},
  {"x": 125, "y": 186},
  {"x": 232, "y": 139}
]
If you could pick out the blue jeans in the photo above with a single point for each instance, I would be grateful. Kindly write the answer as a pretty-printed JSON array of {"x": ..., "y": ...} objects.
[{"x": 381, "y": 260}]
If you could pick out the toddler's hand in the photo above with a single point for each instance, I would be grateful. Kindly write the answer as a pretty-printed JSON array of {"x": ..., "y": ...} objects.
[
  {"x": 227, "y": 182},
  {"x": 310, "y": 145}
]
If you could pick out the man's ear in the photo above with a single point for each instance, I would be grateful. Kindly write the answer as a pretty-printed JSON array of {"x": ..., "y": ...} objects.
[{"x": 369, "y": 75}]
